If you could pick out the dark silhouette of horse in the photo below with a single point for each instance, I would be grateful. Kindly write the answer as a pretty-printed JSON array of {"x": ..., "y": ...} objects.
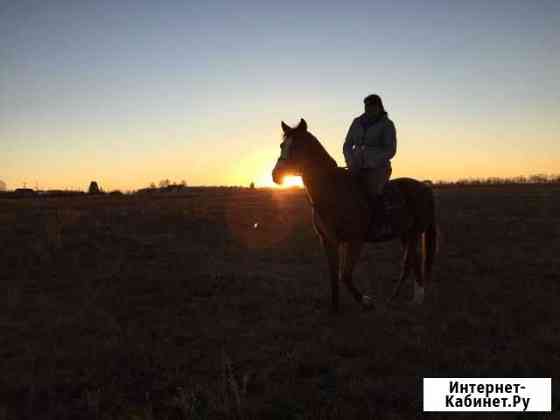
[{"x": 342, "y": 215}]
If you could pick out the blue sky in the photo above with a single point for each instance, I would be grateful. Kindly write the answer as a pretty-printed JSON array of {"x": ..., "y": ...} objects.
[{"x": 132, "y": 92}]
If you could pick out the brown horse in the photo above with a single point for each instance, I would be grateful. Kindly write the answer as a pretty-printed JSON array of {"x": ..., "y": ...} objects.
[{"x": 342, "y": 216}]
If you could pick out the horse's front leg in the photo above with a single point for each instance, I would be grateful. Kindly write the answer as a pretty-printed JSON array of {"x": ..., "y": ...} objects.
[
  {"x": 406, "y": 266},
  {"x": 418, "y": 273},
  {"x": 330, "y": 243},
  {"x": 331, "y": 250},
  {"x": 349, "y": 253}
]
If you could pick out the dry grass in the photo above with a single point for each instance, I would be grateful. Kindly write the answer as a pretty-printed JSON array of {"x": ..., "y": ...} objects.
[{"x": 178, "y": 308}]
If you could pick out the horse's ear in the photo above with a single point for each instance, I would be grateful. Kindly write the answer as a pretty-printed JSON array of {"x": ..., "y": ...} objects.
[
  {"x": 285, "y": 127},
  {"x": 302, "y": 125}
]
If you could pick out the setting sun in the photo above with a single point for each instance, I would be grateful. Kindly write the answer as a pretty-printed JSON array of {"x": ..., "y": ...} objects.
[
  {"x": 288, "y": 181},
  {"x": 291, "y": 181}
]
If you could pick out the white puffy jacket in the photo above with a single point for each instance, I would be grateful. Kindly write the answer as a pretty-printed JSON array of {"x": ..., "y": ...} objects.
[{"x": 371, "y": 147}]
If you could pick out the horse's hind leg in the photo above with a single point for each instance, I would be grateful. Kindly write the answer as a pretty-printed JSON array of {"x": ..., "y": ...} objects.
[
  {"x": 418, "y": 272},
  {"x": 331, "y": 251},
  {"x": 349, "y": 254},
  {"x": 406, "y": 266}
]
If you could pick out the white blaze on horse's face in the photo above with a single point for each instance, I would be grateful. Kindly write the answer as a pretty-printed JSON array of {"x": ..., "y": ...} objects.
[{"x": 283, "y": 165}]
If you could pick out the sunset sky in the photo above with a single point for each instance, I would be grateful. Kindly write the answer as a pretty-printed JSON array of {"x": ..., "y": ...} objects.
[{"x": 132, "y": 92}]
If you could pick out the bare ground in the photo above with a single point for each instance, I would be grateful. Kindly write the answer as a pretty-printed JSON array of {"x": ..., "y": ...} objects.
[{"x": 180, "y": 307}]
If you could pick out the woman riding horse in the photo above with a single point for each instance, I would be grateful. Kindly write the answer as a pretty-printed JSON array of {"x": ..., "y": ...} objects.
[
  {"x": 370, "y": 145},
  {"x": 342, "y": 216}
]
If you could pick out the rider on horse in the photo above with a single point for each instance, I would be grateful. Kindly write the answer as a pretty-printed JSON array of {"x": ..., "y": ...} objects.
[{"x": 370, "y": 144}]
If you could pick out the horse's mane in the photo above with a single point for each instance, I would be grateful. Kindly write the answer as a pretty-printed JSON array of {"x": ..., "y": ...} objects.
[
  {"x": 321, "y": 151},
  {"x": 315, "y": 148}
]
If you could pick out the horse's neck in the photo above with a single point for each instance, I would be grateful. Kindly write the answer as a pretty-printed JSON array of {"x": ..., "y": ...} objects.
[
  {"x": 319, "y": 183},
  {"x": 318, "y": 159},
  {"x": 318, "y": 172},
  {"x": 330, "y": 195}
]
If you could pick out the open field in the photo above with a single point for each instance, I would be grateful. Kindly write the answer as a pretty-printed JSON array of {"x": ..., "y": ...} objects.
[{"x": 177, "y": 307}]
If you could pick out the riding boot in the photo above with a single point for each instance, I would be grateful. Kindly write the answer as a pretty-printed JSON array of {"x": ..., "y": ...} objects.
[
  {"x": 379, "y": 222},
  {"x": 374, "y": 180}
]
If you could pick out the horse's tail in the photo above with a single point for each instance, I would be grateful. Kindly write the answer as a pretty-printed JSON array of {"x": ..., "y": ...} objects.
[{"x": 430, "y": 242}]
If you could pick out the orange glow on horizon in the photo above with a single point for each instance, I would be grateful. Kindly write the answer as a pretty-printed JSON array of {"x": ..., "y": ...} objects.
[{"x": 287, "y": 182}]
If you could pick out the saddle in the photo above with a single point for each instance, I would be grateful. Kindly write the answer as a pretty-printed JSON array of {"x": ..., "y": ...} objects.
[{"x": 390, "y": 217}]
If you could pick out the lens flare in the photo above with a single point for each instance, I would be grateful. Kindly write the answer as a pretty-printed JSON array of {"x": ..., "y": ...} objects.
[{"x": 260, "y": 219}]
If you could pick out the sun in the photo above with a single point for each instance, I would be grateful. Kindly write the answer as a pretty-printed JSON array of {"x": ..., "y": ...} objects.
[
  {"x": 292, "y": 181},
  {"x": 287, "y": 182}
]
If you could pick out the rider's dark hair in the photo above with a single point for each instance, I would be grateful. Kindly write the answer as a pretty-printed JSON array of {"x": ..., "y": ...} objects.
[{"x": 374, "y": 100}]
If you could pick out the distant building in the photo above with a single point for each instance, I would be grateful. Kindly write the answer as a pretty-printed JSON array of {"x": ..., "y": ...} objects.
[{"x": 94, "y": 188}]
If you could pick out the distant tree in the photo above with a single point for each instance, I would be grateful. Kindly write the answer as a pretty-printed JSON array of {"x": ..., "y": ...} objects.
[
  {"x": 3, "y": 186},
  {"x": 538, "y": 178},
  {"x": 252, "y": 185},
  {"x": 164, "y": 183},
  {"x": 153, "y": 186},
  {"x": 183, "y": 183},
  {"x": 94, "y": 188}
]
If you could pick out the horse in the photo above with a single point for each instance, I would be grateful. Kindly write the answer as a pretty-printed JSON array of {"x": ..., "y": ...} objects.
[{"x": 342, "y": 215}]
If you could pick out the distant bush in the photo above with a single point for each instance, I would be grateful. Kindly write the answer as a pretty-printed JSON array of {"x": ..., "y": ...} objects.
[
  {"x": 165, "y": 186},
  {"x": 62, "y": 193},
  {"x": 518, "y": 180}
]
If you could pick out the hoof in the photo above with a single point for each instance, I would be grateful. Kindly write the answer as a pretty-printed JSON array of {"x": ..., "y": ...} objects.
[
  {"x": 391, "y": 302},
  {"x": 418, "y": 294},
  {"x": 396, "y": 291},
  {"x": 367, "y": 302}
]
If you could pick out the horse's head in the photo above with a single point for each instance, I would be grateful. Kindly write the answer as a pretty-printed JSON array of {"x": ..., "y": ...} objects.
[{"x": 292, "y": 154}]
